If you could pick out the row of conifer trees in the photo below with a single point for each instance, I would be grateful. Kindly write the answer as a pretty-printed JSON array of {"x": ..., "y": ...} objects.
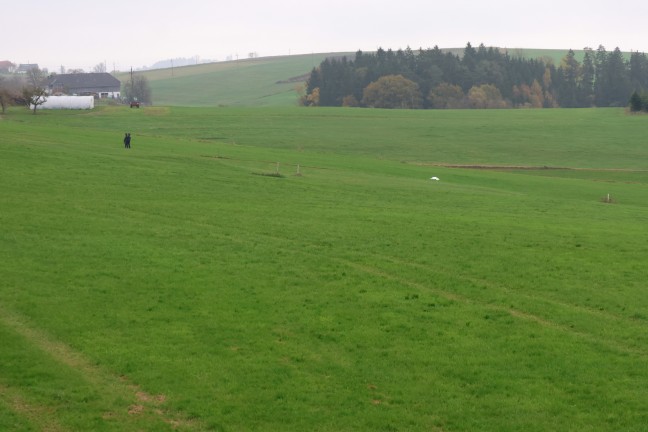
[{"x": 477, "y": 77}]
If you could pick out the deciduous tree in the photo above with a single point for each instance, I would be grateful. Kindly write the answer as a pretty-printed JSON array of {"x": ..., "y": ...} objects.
[
  {"x": 9, "y": 90},
  {"x": 392, "y": 91},
  {"x": 138, "y": 89},
  {"x": 485, "y": 96},
  {"x": 446, "y": 96},
  {"x": 34, "y": 91},
  {"x": 100, "y": 67}
]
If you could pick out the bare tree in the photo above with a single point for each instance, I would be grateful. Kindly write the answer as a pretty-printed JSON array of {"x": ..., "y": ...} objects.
[
  {"x": 138, "y": 89},
  {"x": 35, "y": 92},
  {"x": 5, "y": 98},
  {"x": 101, "y": 67}
]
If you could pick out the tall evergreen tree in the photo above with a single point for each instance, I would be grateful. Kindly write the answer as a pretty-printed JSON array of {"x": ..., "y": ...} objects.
[
  {"x": 618, "y": 79},
  {"x": 636, "y": 104},
  {"x": 586, "y": 88},
  {"x": 569, "y": 77},
  {"x": 469, "y": 59},
  {"x": 639, "y": 71},
  {"x": 601, "y": 97}
]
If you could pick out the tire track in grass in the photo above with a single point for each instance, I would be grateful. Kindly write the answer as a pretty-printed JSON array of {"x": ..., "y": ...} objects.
[
  {"x": 481, "y": 281},
  {"x": 597, "y": 314},
  {"x": 288, "y": 245},
  {"x": 140, "y": 409},
  {"x": 516, "y": 313}
]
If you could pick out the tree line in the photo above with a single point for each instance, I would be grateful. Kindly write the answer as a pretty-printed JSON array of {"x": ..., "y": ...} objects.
[{"x": 480, "y": 78}]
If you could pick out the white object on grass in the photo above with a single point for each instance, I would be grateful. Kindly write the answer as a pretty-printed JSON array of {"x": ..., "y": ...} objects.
[{"x": 67, "y": 102}]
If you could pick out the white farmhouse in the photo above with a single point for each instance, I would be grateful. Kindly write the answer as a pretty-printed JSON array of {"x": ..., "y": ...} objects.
[{"x": 100, "y": 85}]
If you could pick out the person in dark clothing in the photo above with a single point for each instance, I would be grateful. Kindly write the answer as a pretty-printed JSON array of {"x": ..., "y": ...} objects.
[{"x": 127, "y": 140}]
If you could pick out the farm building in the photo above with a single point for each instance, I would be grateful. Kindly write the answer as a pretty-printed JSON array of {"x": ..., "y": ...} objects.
[
  {"x": 23, "y": 68},
  {"x": 100, "y": 85},
  {"x": 6, "y": 66},
  {"x": 68, "y": 102}
]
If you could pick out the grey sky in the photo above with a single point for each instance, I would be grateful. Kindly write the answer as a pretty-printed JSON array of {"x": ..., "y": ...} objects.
[{"x": 125, "y": 33}]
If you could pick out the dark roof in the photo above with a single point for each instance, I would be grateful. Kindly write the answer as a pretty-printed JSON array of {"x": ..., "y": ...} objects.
[
  {"x": 26, "y": 67},
  {"x": 84, "y": 81}
]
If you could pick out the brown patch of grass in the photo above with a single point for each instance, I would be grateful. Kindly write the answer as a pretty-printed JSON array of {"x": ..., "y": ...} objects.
[
  {"x": 41, "y": 417},
  {"x": 135, "y": 409}
]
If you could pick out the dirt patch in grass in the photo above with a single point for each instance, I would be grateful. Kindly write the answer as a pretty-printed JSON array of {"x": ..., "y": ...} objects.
[
  {"x": 38, "y": 415},
  {"x": 135, "y": 409},
  {"x": 503, "y": 167},
  {"x": 145, "y": 397},
  {"x": 523, "y": 167}
]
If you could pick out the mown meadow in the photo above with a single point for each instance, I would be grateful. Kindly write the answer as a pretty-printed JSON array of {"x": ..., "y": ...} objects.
[{"x": 290, "y": 269}]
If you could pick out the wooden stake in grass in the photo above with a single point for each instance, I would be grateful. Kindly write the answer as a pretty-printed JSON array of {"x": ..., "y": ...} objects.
[{"x": 608, "y": 199}]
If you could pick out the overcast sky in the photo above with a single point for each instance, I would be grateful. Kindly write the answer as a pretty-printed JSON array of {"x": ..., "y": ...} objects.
[{"x": 125, "y": 33}]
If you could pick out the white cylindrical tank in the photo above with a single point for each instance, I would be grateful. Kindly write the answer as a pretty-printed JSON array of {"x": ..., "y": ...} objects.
[{"x": 68, "y": 102}]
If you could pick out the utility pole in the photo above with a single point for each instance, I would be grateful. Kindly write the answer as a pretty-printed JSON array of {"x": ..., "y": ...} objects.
[{"x": 132, "y": 86}]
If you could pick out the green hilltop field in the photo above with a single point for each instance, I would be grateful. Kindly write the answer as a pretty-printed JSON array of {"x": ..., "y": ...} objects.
[
  {"x": 291, "y": 269},
  {"x": 267, "y": 81}
]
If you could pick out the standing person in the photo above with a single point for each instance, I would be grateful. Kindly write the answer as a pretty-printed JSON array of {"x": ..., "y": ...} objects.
[{"x": 127, "y": 140}]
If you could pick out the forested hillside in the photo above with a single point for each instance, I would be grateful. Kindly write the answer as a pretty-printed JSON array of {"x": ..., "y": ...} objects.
[{"x": 479, "y": 78}]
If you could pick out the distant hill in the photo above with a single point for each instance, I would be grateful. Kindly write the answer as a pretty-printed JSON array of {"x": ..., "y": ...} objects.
[{"x": 264, "y": 81}]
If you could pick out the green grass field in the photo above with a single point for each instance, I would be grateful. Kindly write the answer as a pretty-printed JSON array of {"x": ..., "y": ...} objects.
[{"x": 184, "y": 285}]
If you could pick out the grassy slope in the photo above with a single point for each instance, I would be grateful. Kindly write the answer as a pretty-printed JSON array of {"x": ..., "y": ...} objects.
[
  {"x": 249, "y": 82},
  {"x": 172, "y": 282}
]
